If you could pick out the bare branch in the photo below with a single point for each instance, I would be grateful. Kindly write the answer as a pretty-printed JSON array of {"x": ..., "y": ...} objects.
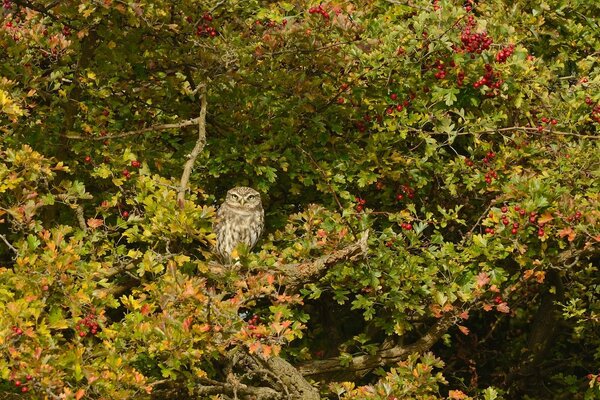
[
  {"x": 200, "y": 143},
  {"x": 10, "y": 246},
  {"x": 155, "y": 128}
]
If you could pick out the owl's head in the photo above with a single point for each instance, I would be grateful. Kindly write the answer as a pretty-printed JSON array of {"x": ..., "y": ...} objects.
[{"x": 243, "y": 196}]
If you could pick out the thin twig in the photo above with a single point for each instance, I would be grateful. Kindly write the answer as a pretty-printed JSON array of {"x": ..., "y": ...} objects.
[
  {"x": 200, "y": 143},
  {"x": 10, "y": 246}
]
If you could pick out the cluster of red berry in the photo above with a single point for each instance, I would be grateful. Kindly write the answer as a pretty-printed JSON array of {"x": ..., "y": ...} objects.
[
  {"x": 7, "y": 4},
  {"x": 406, "y": 226},
  {"x": 489, "y": 79},
  {"x": 252, "y": 325},
  {"x": 490, "y": 176},
  {"x": 397, "y": 106},
  {"x": 406, "y": 190},
  {"x": 504, "y": 53},
  {"x": 20, "y": 384},
  {"x": 515, "y": 225},
  {"x": 17, "y": 330},
  {"x": 595, "y": 109},
  {"x": 126, "y": 173},
  {"x": 319, "y": 10},
  {"x": 473, "y": 42},
  {"x": 361, "y": 204},
  {"x": 206, "y": 29},
  {"x": 87, "y": 325},
  {"x": 441, "y": 67}
]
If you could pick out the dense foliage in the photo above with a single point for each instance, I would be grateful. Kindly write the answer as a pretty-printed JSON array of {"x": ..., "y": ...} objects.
[{"x": 458, "y": 140}]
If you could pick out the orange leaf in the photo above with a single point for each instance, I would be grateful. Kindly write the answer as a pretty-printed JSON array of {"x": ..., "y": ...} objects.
[
  {"x": 463, "y": 329},
  {"x": 456, "y": 395},
  {"x": 540, "y": 276},
  {"x": 503, "y": 308},
  {"x": 95, "y": 223},
  {"x": 266, "y": 351},
  {"x": 79, "y": 394},
  {"x": 270, "y": 279},
  {"x": 544, "y": 218},
  {"x": 569, "y": 232},
  {"x": 483, "y": 279}
]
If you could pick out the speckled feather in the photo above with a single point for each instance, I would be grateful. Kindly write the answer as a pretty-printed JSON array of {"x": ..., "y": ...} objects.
[{"x": 240, "y": 219}]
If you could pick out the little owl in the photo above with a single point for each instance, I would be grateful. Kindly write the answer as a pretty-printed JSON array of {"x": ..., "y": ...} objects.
[{"x": 240, "y": 219}]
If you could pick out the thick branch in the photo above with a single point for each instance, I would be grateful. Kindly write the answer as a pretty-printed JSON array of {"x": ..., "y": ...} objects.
[
  {"x": 298, "y": 275},
  {"x": 384, "y": 357},
  {"x": 200, "y": 143}
]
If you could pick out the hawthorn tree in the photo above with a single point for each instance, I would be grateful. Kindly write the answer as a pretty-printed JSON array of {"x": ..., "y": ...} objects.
[{"x": 429, "y": 170}]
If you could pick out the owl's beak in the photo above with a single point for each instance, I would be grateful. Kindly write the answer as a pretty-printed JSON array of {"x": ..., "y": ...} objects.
[{"x": 242, "y": 201}]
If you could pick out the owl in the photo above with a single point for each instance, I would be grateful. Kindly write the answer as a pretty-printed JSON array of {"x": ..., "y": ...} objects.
[{"x": 240, "y": 219}]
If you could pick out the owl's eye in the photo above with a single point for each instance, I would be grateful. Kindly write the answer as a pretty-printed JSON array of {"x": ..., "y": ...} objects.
[
  {"x": 235, "y": 196},
  {"x": 252, "y": 197}
]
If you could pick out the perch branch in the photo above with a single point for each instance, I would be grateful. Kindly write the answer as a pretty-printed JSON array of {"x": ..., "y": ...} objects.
[
  {"x": 297, "y": 275},
  {"x": 200, "y": 143}
]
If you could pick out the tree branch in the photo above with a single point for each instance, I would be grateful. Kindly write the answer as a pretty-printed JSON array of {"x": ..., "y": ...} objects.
[
  {"x": 10, "y": 246},
  {"x": 383, "y": 357},
  {"x": 154, "y": 128},
  {"x": 298, "y": 275},
  {"x": 200, "y": 143}
]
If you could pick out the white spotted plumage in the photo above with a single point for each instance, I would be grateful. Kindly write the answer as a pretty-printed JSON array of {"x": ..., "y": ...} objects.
[{"x": 240, "y": 219}]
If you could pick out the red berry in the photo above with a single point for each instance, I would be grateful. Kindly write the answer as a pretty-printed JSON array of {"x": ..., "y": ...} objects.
[
  {"x": 19, "y": 331},
  {"x": 24, "y": 389},
  {"x": 545, "y": 120},
  {"x": 514, "y": 231},
  {"x": 553, "y": 122},
  {"x": 341, "y": 100},
  {"x": 29, "y": 377},
  {"x": 106, "y": 113},
  {"x": 125, "y": 214},
  {"x": 399, "y": 107},
  {"x": 522, "y": 212},
  {"x": 504, "y": 209},
  {"x": 399, "y": 196},
  {"x": 17, "y": 383},
  {"x": 87, "y": 159},
  {"x": 126, "y": 173},
  {"x": 540, "y": 232},
  {"x": 135, "y": 164},
  {"x": 394, "y": 96},
  {"x": 82, "y": 334},
  {"x": 498, "y": 300}
]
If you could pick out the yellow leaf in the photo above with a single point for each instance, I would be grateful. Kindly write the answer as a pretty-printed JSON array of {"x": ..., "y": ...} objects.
[{"x": 112, "y": 45}]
